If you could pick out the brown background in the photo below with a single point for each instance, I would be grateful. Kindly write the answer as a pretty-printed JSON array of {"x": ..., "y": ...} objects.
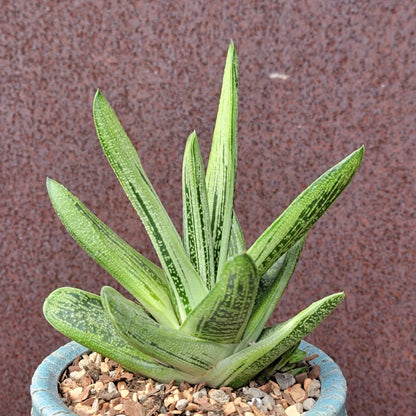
[{"x": 351, "y": 68}]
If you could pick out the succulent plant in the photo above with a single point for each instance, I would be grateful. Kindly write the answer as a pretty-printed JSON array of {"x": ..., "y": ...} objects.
[{"x": 201, "y": 316}]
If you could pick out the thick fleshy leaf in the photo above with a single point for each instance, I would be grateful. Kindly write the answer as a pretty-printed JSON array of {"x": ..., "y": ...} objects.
[
  {"x": 241, "y": 367},
  {"x": 292, "y": 356},
  {"x": 303, "y": 212},
  {"x": 185, "y": 283},
  {"x": 223, "y": 315},
  {"x": 271, "y": 288},
  {"x": 143, "y": 279},
  {"x": 237, "y": 244},
  {"x": 80, "y": 315},
  {"x": 197, "y": 234},
  {"x": 222, "y": 163},
  {"x": 169, "y": 346}
]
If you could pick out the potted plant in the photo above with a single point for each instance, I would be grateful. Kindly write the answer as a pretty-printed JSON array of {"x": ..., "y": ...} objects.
[{"x": 201, "y": 316}]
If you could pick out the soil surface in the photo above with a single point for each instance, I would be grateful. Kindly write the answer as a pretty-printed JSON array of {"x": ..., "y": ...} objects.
[{"x": 95, "y": 385}]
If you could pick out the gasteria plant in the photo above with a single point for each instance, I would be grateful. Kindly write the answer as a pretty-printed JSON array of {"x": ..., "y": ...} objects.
[{"x": 202, "y": 315}]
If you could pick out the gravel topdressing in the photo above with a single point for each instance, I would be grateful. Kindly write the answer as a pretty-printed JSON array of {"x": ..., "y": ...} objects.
[{"x": 94, "y": 385}]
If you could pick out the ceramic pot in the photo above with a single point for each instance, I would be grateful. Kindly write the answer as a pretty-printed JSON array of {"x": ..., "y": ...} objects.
[{"x": 46, "y": 400}]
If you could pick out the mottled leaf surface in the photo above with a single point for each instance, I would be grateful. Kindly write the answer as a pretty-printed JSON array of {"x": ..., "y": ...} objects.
[
  {"x": 303, "y": 212},
  {"x": 143, "y": 279},
  {"x": 185, "y": 284},
  {"x": 223, "y": 315},
  {"x": 197, "y": 235},
  {"x": 169, "y": 346},
  {"x": 238, "y": 369},
  {"x": 222, "y": 163},
  {"x": 80, "y": 316},
  {"x": 271, "y": 288}
]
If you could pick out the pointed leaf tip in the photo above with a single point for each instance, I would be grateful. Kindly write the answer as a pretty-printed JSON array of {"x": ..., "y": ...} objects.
[
  {"x": 186, "y": 285},
  {"x": 51, "y": 186},
  {"x": 303, "y": 212},
  {"x": 222, "y": 162},
  {"x": 48, "y": 181},
  {"x": 98, "y": 97}
]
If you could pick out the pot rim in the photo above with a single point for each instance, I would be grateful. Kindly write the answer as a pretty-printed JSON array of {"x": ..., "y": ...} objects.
[{"x": 46, "y": 399}]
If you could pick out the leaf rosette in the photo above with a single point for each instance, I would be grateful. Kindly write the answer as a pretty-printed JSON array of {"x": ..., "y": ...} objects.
[{"x": 201, "y": 316}]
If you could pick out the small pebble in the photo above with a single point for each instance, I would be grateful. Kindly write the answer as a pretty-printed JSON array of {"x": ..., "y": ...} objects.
[
  {"x": 268, "y": 402},
  {"x": 308, "y": 403},
  {"x": 94, "y": 373},
  {"x": 229, "y": 408},
  {"x": 297, "y": 393},
  {"x": 181, "y": 404},
  {"x": 85, "y": 362},
  {"x": 104, "y": 367},
  {"x": 253, "y": 392},
  {"x": 77, "y": 374},
  {"x": 219, "y": 396},
  {"x": 315, "y": 372},
  {"x": 111, "y": 387},
  {"x": 280, "y": 410},
  {"x": 94, "y": 405},
  {"x": 294, "y": 410},
  {"x": 159, "y": 387},
  {"x": 306, "y": 384},
  {"x": 284, "y": 380},
  {"x": 215, "y": 413},
  {"x": 255, "y": 402},
  {"x": 314, "y": 389},
  {"x": 199, "y": 394},
  {"x": 300, "y": 378},
  {"x": 75, "y": 393},
  {"x": 142, "y": 398}
]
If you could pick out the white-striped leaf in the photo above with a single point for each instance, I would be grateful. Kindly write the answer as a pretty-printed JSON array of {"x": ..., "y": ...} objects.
[
  {"x": 197, "y": 234},
  {"x": 303, "y": 212},
  {"x": 238, "y": 369},
  {"x": 143, "y": 279},
  {"x": 185, "y": 283},
  {"x": 271, "y": 288},
  {"x": 80, "y": 316},
  {"x": 169, "y": 346},
  {"x": 223, "y": 315},
  {"x": 222, "y": 163},
  {"x": 237, "y": 244}
]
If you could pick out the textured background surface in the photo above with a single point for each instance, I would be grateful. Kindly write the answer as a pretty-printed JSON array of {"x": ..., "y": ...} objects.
[{"x": 351, "y": 68}]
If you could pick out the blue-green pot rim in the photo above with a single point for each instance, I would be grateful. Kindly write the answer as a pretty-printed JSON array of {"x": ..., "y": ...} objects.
[{"x": 47, "y": 402}]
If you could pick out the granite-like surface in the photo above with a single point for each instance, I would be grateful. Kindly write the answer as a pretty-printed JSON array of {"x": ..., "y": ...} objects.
[{"x": 351, "y": 80}]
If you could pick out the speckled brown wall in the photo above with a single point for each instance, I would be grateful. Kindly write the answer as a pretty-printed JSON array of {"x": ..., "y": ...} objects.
[{"x": 351, "y": 80}]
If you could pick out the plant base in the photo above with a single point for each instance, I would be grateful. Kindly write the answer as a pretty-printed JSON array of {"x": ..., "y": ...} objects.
[{"x": 46, "y": 400}]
